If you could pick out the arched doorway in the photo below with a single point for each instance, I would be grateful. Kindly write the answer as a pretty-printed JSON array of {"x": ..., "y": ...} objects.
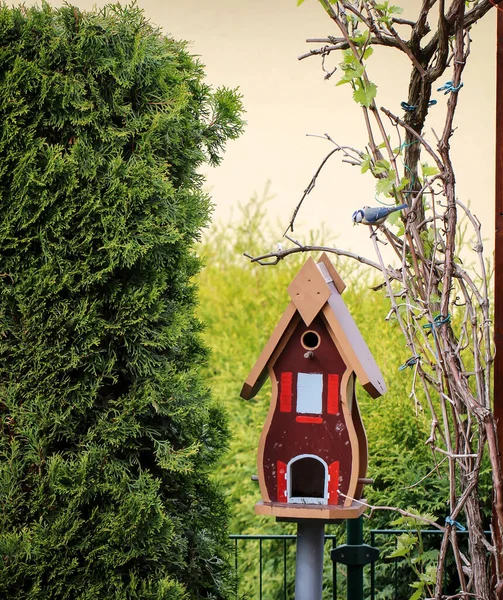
[{"x": 307, "y": 477}]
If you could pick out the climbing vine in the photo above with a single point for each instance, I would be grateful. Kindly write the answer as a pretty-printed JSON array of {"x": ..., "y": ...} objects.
[{"x": 441, "y": 304}]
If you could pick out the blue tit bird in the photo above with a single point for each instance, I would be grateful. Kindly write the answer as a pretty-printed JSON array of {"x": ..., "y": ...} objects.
[{"x": 375, "y": 216}]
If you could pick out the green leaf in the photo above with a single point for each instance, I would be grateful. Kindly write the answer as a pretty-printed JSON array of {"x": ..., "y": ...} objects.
[
  {"x": 368, "y": 52},
  {"x": 428, "y": 238},
  {"x": 299, "y": 2},
  {"x": 399, "y": 552},
  {"x": 386, "y": 184},
  {"x": 394, "y": 218},
  {"x": 351, "y": 66},
  {"x": 396, "y": 10},
  {"x": 382, "y": 166},
  {"x": 365, "y": 164},
  {"x": 348, "y": 58},
  {"x": 429, "y": 170},
  {"x": 364, "y": 94},
  {"x": 360, "y": 39},
  {"x": 389, "y": 10},
  {"x": 350, "y": 75},
  {"x": 418, "y": 594},
  {"x": 404, "y": 182}
]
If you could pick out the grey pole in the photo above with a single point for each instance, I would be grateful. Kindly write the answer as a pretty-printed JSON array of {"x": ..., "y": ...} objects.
[{"x": 309, "y": 560}]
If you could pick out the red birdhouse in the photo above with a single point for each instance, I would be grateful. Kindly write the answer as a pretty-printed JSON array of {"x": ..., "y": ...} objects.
[{"x": 312, "y": 456}]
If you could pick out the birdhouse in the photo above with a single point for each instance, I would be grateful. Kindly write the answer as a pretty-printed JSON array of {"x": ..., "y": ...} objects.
[{"x": 312, "y": 456}]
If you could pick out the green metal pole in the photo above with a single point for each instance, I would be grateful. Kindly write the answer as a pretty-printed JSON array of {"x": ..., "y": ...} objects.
[
  {"x": 354, "y": 537},
  {"x": 355, "y": 555}
]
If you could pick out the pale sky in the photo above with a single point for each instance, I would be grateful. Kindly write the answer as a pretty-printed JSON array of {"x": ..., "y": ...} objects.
[{"x": 254, "y": 45}]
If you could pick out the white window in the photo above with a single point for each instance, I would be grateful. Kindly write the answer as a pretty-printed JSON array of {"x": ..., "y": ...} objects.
[{"x": 309, "y": 393}]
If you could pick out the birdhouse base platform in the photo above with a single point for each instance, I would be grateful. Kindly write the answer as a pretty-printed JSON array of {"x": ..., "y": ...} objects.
[{"x": 325, "y": 512}]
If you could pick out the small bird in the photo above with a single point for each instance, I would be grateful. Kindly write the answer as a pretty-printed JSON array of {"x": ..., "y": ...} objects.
[{"x": 375, "y": 216}]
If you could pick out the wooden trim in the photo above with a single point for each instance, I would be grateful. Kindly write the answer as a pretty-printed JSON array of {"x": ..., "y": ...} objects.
[
  {"x": 363, "y": 445},
  {"x": 263, "y": 436},
  {"x": 258, "y": 374},
  {"x": 348, "y": 352},
  {"x": 335, "y": 339},
  {"x": 311, "y": 295},
  {"x": 346, "y": 389},
  {"x": 344, "y": 346},
  {"x": 336, "y": 278},
  {"x": 309, "y": 291},
  {"x": 325, "y": 512}
]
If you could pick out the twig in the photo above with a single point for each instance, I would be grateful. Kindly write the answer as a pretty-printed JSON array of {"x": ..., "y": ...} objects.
[
  {"x": 281, "y": 254},
  {"x": 400, "y": 511}
]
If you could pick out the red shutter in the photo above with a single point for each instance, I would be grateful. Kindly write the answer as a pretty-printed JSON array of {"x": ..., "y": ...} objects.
[
  {"x": 281, "y": 475},
  {"x": 333, "y": 394},
  {"x": 333, "y": 483},
  {"x": 285, "y": 392},
  {"x": 307, "y": 419}
]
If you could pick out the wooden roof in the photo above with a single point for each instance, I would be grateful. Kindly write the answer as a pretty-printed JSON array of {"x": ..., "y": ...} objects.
[{"x": 315, "y": 290}]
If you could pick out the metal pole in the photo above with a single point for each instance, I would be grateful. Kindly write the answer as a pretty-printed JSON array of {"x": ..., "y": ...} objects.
[
  {"x": 354, "y": 537},
  {"x": 355, "y": 555},
  {"x": 309, "y": 560}
]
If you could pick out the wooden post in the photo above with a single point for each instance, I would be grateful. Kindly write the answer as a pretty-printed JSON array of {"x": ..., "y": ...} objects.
[{"x": 498, "y": 266}]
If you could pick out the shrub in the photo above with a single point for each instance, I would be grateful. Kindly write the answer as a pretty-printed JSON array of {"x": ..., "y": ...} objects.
[{"x": 107, "y": 429}]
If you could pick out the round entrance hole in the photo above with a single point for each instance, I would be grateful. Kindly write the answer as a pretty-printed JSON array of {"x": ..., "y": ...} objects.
[{"x": 310, "y": 340}]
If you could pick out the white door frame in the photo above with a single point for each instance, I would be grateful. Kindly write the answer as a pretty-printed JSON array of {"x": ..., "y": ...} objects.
[{"x": 306, "y": 499}]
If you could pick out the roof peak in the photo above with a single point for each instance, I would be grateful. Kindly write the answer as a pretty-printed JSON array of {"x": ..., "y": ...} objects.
[
  {"x": 315, "y": 290},
  {"x": 310, "y": 289}
]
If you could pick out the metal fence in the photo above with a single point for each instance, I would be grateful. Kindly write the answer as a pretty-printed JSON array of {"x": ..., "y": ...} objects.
[
  {"x": 287, "y": 570},
  {"x": 268, "y": 571}
]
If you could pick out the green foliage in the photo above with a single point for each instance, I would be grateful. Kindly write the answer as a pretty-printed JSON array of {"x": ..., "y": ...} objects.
[
  {"x": 421, "y": 561},
  {"x": 352, "y": 66},
  {"x": 322, "y": 2},
  {"x": 428, "y": 170},
  {"x": 364, "y": 92},
  {"x": 107, "y": 430},
  {"x": 241, "y": 303},
  {"x": 387, "y": 11}
]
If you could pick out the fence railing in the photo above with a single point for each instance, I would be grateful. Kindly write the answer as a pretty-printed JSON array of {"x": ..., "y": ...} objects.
[
  {"x": 287, "y": 566},
  {"x": 268, "y": 572}
]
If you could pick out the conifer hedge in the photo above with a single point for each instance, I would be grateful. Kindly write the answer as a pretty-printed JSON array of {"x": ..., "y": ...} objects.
[{"x": 107, "y": 430}]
